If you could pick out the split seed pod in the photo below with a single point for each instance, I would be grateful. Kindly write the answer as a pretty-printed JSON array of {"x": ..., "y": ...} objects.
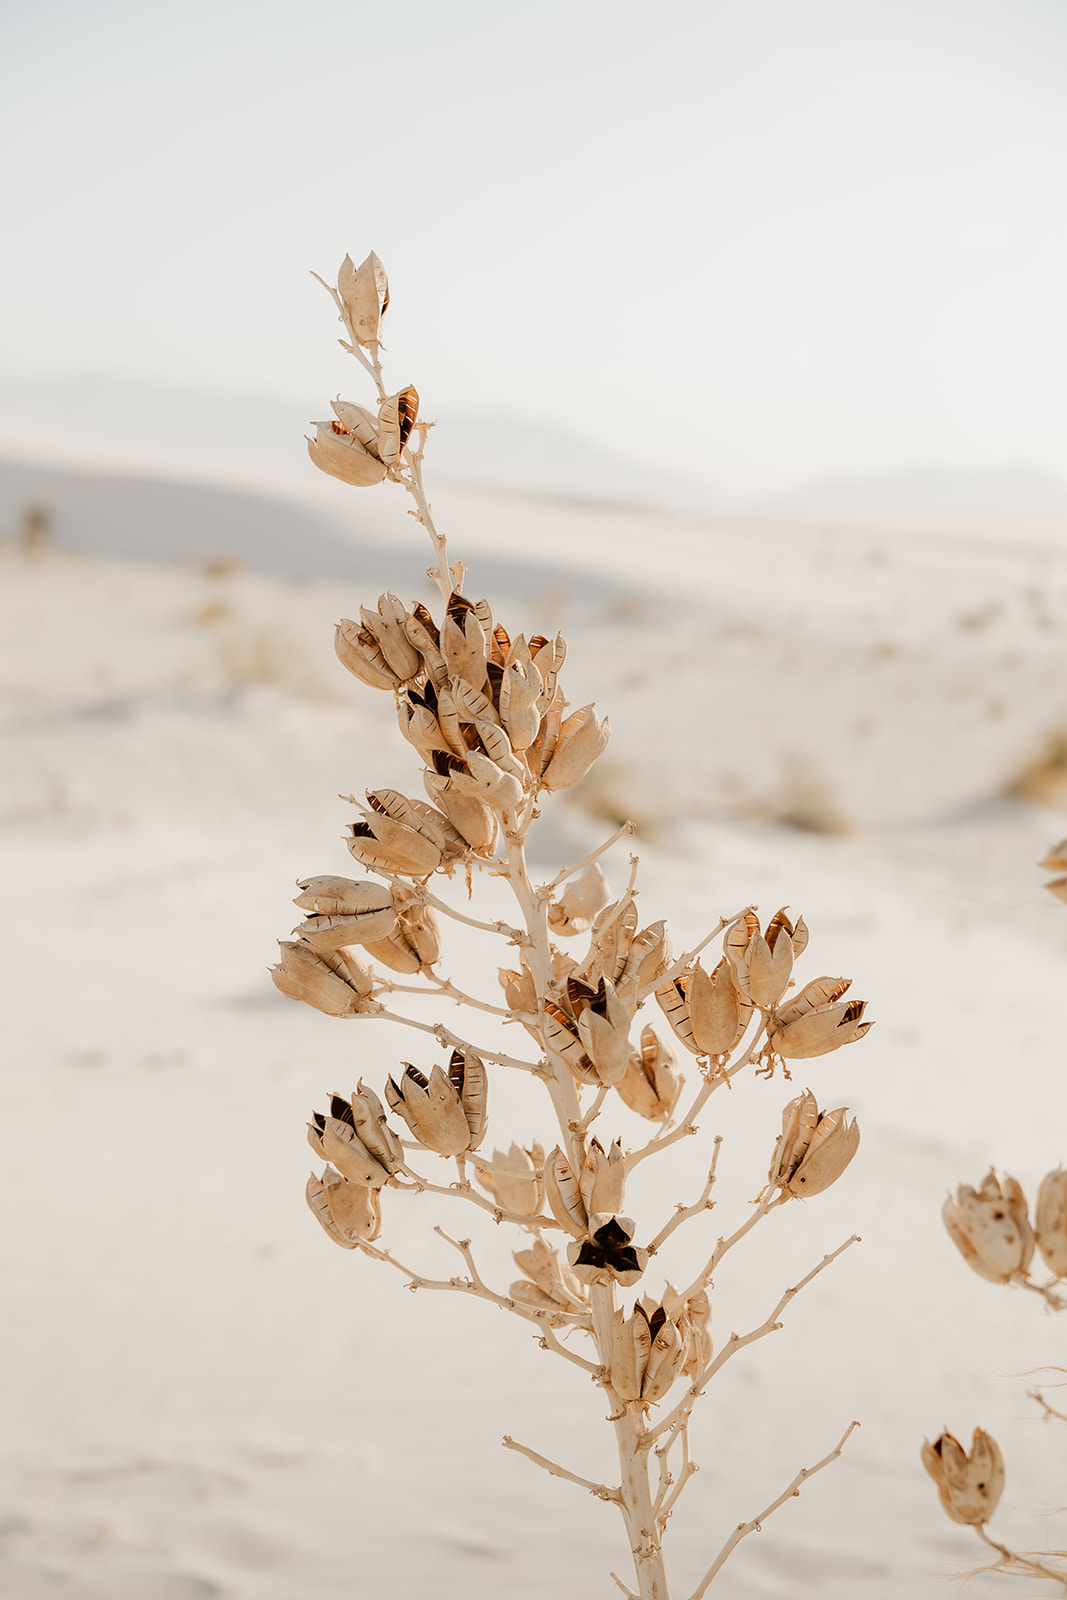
[
  {"x": 968, "y": 1486},
  {"x": 1050, "y": 1221},
  {"x": 485, "y": 780},
  {"x": 603, "y": 1028},
  {"x": 337, "y": 451},
  {"x": 609, "y": 1254},
  {"x": 719, "y": 1009},
  {"x": 402, "y": 836},
  {"x": 396, "y": 418},
  {"x": 344, "y": 912},
  {"x": 763, "y": 964},
  {"x": 516, "y": 1180},
  {"x": 817, "y": 1021},
  {"x": 364, "y": 293},
  {"x": 463, "y": 641},
  {"x": 581, "y": 740},
  {"x": 814, "y": 1149},
  {"x": 472, "y": 819},
  {"x": 348, "y": 1212},
  {"x": 578, "y": 906},
  {"x": 357, "y": 649},
  {"x": 335, "y": 982},
  {"x": 387, "y": 626},
  {"x": 648, "y": 1351},
  {"x": 446, "y": 1114},
  {"x": 355, "y": 1136},
  {"x": 415, "y": 941},
  {"x": 549, "y": 1284},
  {"x": 651, "y": 1083},
  {"x": 990, "y": 1227}
]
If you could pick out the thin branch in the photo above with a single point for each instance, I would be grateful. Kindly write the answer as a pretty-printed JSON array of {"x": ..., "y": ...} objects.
[
  {"x": 723, "y": 1246},
  {"x": 446, "y": 987},
  {"x": 512, "y": 935},
  {"x": 353, "y": 348},
  {"x": 630, "y": 1593},
  {"x": 738, "y": 1341},
  {"x": 601, "y": 1490},
  {"x": 450, "y": 1040},
  {"x": 568, "y": 872},
  {"x": 686, "y": 1126},
  {"x": 689, "y": 956},
  {"x": 594, "y": 1110},
  {"x": 665, "y": 1503},
  {"x": 683, "y": 1213},
  {"x": 1020, "y": 1564},
  {"x": 466, "y": 1286},
  {"x": 548, "y": 1341},
  {"x": 745, "y": 1528}
]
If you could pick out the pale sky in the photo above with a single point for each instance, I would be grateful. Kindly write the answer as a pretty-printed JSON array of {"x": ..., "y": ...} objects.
[{"x": 766, "y": 241}]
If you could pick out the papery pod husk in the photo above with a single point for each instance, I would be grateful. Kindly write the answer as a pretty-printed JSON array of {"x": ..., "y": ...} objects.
[
  {"x": 589, "y": 1271},
  {"x": 497, "y": 746},
  {"x": 415, "y": 943},
  {"x": 358, "y": 421},
  {"x": 331, "y": 896},
  {"x": 605, "y": 1033},
  {"x": 833, "y": 1144},
  {"x": 631, "y": 1345},
  {"x": 820, "y": 1031},
  {"x": 421, "y": 729},
  {"x": 603, "y": 1178},
  {"x": 528, "y": 1294},
  {"x": 360, "y": 653},
  {"x": 543, "y": 1267},
  {"x": 320, "y": 979},
  {"x": 991, "y": 1228},
  {"x": 564, "y": 1195},
  {"x": 472, "y": 819},
  {"x": 800, "y": 1118},
  {"x": 520, "y": 690},
  {"x": 796, "y": 933},
  {"x": 472, "y": 704},
  {"x": 701, "y": 1348},
  {"x": 342, "y": 456},
  {"x": 548, "y": 655},
  {"x": 969, "y": 1487},
  {"x": 769, "y": 971},
  {"x": 388, "y": 626},
  {"x": 450, "y": 723},
  {"x": 540, "y": 752},
  {"x": 484, "y": 780},
  {"x": 431, "y": 1108},
  {"x": 719, "y": 1012},
  {"x": 336, "y": 1138},
  {"x": 610, "y": 943},
  {"x": 814, "y": 996},
  {"x": 666, "y": 1358},
  {"x": 463, "y": 642},
  {"x": 396, "y": 418},
  {"x": 651, "y": 1083},
  {"x": 580, "y": 903},
  {"x": 648, "y": 959},
  {"x": 582, "y": 740},
  {"x": 427, "y": 820},
  {"x": 347, "y": 1212},
  {"x": 735, "y": 945},
  {"x": 1050, "y": 1221},
  {"x": 422, "y": 633},
  {"x": 368, "y": 1117},
  {"x": 339, "y": 932},
  {"x": 516, "y": 1180},
  {"x": 396, "y": 953},
  {"x": 519, "y": 991},
  {"x": 467, "y": 1074},
  {"x": 364, "y": 292},
  {"x": 562, "y": 1039},
  {"x": 673, "y": 1000}
]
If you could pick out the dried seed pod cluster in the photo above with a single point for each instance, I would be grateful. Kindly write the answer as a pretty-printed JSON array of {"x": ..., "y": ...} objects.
[
  {"x": 990, "y": 1227},
  {"x": 485, "y": 712}
]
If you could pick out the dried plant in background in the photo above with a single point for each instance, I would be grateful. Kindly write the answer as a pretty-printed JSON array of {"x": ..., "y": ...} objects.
[{"x": 487, "y": 715}]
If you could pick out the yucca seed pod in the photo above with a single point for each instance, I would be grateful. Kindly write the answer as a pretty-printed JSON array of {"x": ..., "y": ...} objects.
[
  {"x": 519, "y": 991},
  {"x": 603, "y": 1178},
  {"x": 414, "y": 944},
  {"x": 631, "y": 1344},
  {"x": 540, "y": 752},
  {"x": 763, "y": 964},
  {"x": 362, "y": 1146},
  {"x": 582, "y": 739},
  {"x": 358, "y": 650},
  {"x": 814, "y": 1149},
  {"x": 420, "y": 727},
  {"x": 423, "y": 634},
  {"x": 577, "y": 907},
  {"x": 610, "y": 943},
  {"x": 672, "y": 998},
  {"x": 719, "y": 1012},
  {"x": 990, "y": 1227},
  {"x": 604, "y": 1030},
  {"x": 609, "y": 1253},
  {"x": 388, "y": 626},
  {"x": 484, "y": 780},
  {"x": 564, "y": 1195},
  {"x": 968, "y": 1486},
  {"x": 670, "y": 1346},
  {"x": 336, "y": 451},
  {"x": 349, "y": 1212},
  {"x": 648, "y": 959},
  {"x": 516, "y": 1180},
  {"x": 817, "y": 1021},
  {"x": 472, "y": 819},
  {"x": 651, "y": 1083},
  {"x": 364, "y": 293},
  {"x": 548, "y": 655},
  {"x": 445, "y": 1113},
  {"x": 344, "y": 912},
  {"x": 330, "y": 981},
  {"x": 463, "y": 642},
  {"x": 396, "y": 418},
  {"x": 1050, "y": 1221},
  {"x": 550, "y": 1284},
  {"x": 520, "y": 692},
  {"x": 360, "y": 422},
  {"x": 397, "y": 847}
]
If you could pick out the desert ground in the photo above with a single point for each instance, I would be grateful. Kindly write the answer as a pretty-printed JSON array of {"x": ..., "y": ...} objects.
[{"x": 204, "y": 1396}]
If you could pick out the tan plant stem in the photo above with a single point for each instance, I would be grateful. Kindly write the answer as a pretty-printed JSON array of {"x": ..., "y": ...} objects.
[
  {"x": 683, "y": 1213},
  {"x": 450, "y": 1040},
  {"x": 601, "y": 1490},
  {"x": 714, "y": 1078},
  {"x": 743, "y": 1529},
  {"x": 446, "y": 987},
  {"x": 586, "y": 861},
  {"x": 1012, "y": 1561},
  {"x": 416, "y": 1280},
  {"x": 447, "y": 579}
]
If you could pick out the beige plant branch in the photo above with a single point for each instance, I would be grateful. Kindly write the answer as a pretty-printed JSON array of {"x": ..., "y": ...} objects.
[
  {"x": 445, "y": 987},
  {"x": 452, "y": 1041},
  {"x": 724, "y": 1245},
  {"x": 600, "y": 1490},
  {"x": 586, "y": 861},
  {"x": 743, "y": 1529},
  {"x": 665, "y": 1502},
  {"x": 714, "y": 1078},
  {"x": 1024, "y": 1564},
  {"x": 689, "y": 956},
  {"x": 352, "y": 345},
  {"x": 684, "y": 1213}
]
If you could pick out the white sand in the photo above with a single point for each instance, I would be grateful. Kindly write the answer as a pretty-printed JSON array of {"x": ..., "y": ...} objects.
[{"x": 205, "y": 1396}]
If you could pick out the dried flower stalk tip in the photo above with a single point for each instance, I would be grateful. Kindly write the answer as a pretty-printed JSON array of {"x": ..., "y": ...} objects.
[
  {"x": 968, "y": 1486},
  {"x": 349, "y": 1212},
  {"x": 990, "y": 1227},
  {"x": 364, "y": 294}
]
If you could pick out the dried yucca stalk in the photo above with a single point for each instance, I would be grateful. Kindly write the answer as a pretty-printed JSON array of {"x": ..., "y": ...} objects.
[
  {"x": 489, "y": 719},
  {"x": 991, "y": 1228}
]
